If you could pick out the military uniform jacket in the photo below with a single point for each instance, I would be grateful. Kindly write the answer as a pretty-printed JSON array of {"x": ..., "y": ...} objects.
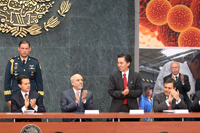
[{"x": 16, "y": 68}]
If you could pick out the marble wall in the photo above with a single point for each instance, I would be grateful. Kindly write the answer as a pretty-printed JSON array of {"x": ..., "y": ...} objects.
[{"x": 87, "y": 41}]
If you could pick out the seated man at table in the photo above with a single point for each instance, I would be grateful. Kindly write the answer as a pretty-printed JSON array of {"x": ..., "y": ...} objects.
[
  {"x": 195, "y": 107},
  {"x": 76, "y": 99},
  {"x": 26, "y": 99},
  {"x": 170, "y": 99}
]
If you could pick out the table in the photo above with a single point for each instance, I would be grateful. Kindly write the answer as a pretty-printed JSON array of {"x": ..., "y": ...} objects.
[{"x": 103, "y": 127}]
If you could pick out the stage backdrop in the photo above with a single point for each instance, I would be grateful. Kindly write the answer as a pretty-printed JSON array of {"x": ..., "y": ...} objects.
[{"x": 86, "y": 40}]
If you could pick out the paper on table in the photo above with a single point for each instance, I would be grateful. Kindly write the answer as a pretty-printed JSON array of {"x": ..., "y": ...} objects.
[
  {"x": 12, "y": 113},
  {"x": 168, "y": 111}
]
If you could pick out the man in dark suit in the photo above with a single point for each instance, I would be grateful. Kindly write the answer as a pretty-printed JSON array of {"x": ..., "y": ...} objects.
[
  {"x": 26, "y": 99},
  {"x": 183, "y": 84},
  {"x": 124, "y": 86},
  {"x": 195, "y": 107},
  {"x": 22, "y": 65},
  {"x": 170, "y": 99},
  {"x": 76, "y": 99}
]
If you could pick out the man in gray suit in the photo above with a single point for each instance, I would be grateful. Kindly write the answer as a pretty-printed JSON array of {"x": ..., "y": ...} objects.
[
  {"x": 76, "y": 99},
  {"x": 170, "y": 99},
  {"x": 124, "y": 86}
]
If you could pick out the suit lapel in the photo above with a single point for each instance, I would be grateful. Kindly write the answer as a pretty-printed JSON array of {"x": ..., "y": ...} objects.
[
  {"x": 120, "y": 80},
  {"x": 31, "y": 95},
  {"x": 21, "y": 99},
  {"x": 163, "y": 97},
  {"x": 81, "y": 103},
  {"x": 173, "y": 103},
  {"x": 130, "y": 78},
  {"x": 72, "y": 94}
]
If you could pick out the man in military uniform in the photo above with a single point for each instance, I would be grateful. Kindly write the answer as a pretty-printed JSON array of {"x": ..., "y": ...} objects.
[{"x": 22, "y": 65}]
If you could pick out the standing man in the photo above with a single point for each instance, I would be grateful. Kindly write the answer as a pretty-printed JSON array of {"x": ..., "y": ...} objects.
[
  {"x": 22, "y": 65},
  {"x": 76, "y": 99},
  {"x": 124, "y": 86},
  {"x": 182, "y": 82},
  {"x": 170, "y": 99},
  {"x": 26, "y": 99}
]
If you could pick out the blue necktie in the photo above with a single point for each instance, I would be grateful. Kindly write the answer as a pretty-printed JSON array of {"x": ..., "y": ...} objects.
[{"x": 79, "y": 99}]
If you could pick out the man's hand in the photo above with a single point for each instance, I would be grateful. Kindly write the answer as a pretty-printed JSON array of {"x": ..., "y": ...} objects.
[
  {"x": 173, "y": 77},
  {"x": 32, "y": 102},
  {"x": 77, "y": 98},
  {"x": 170, "y": 98},
  {"x": 84, "y": 94},
  {"x": 126, "y": 91},
  {"x": 175, "y": 94},
  {"x": 9, "y": 104},
  {"x": 26, "y": 101},
  {"x": 182, "y": 78}
]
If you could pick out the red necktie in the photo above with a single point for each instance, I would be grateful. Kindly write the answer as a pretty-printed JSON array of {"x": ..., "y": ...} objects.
[
  {"x": 125, "y": 85},
  {"x": 170, "y": 106},
  {"x": 25, "y": 97}
]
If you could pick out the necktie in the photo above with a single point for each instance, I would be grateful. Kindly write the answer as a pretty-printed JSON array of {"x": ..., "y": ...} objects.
[
  {"x": 79, "y": 98},
  {"x": 26, "y": 95},
  {"x": 23, "y": 62},
  {"x": 125, "y": 85},
  {"x": 170, "y": 106},
  {"x": 176, "y": 78}
]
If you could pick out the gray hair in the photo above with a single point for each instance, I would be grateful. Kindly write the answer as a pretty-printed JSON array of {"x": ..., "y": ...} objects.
[{"x": 71, "y": 79}]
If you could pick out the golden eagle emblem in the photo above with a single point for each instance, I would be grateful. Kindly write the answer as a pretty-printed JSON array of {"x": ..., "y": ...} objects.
[{"x": 21, "y": 17}]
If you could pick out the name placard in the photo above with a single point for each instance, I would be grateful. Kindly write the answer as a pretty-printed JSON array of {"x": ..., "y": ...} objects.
[
  {"x": 181, "y": 111},
  {"x": 139, "y": 111},
  {"x": 91, "y": 111}
]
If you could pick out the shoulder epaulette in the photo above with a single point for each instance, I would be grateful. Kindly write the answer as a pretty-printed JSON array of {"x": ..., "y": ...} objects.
[
  {"x": 34, "y": 58},
  {"x": 12, "y": 57}
]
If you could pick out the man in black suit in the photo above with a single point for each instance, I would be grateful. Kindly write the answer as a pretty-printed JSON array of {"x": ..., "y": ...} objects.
[
  {"x": 183, "y": 84},
  {"x": 195, "y": 107},
  {"x": 76, "y": 99},
  {"x": 26, "y": 99},
  {"x": 170, "y": 99},
  {"x": 124, "y": 86}
]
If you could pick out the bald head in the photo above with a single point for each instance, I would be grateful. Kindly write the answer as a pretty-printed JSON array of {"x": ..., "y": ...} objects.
[
  {"x": 77, "y": 81},
  {"x": 175, "y": 67}
]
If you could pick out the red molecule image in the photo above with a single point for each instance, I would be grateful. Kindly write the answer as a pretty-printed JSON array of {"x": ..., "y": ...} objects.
[
  {"x": 182, "y": 2},
  {"x": 195, "y": 8},
  {"x": 180, "y": 18},
  {"x": 189, "y": 38},
  {"x": 167, "y": 36},
  {"x": 143, "y": 19},
  {"x": 156, "y": 11}
]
